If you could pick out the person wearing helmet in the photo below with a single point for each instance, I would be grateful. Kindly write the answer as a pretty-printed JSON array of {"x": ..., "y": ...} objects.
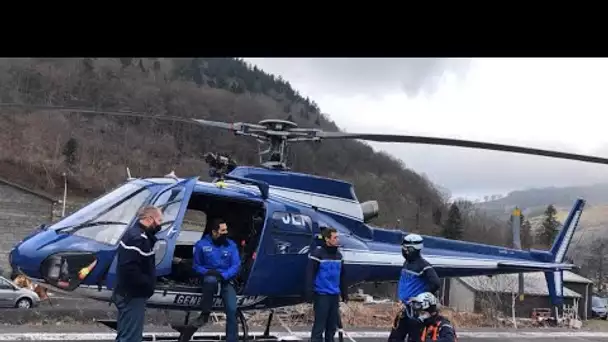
[
  {"x": 434, "y": 327},
  {"x": 417, "y": 277}
]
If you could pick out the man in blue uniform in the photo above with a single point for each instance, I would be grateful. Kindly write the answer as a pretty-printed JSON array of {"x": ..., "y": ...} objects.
[
  {"x": 417, "y": 276},
  {"x": 435, "y": 327},
  {"x": 136, "y": 274},
  {"x": 217, "y": 261},
  {"x": 325, "y": 285}
]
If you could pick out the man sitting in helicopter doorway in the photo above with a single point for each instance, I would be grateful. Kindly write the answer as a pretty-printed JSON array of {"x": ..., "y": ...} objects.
[
  {"x": 217, "y": 261},
  {"x": 417, "y": 276},
  {"x": 325, "y": 285}
]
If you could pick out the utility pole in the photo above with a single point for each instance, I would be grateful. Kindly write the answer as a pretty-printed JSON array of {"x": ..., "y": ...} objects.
[
  {"x": 516, "y": 227},
  {"x": 418, "y": 214},
  {"x": 65, "y": 193}
]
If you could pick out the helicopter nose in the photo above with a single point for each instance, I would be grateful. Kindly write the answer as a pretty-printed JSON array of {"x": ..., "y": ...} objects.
[{"x": 24, "y": 257}]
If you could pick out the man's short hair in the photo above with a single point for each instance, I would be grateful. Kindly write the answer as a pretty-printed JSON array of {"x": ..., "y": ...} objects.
[
  {"x": 215, "y": 224},
  {"x": 327, "y": 231},
  {"x": 147, "y": 210}
]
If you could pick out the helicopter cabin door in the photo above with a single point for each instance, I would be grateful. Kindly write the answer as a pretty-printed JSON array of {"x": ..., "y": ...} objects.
[
  {"x": 173, "y": 202},
  {"x": 287, "y": 240}
]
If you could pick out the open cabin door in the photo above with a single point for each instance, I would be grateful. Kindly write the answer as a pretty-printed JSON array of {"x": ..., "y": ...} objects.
[
  {"x": 173, "y": 201},
  {"x": 283, "y": 256}
]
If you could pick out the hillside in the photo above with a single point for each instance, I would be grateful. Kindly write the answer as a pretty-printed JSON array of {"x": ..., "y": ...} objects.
[
  {"x": 534, "y": 201},
  {"x": 591, "y": 238},
  {"x": 94, "y": 150}
]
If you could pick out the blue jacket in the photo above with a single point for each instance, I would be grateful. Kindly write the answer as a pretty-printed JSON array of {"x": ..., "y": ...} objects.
[
  {"x": 223, "y": 258},
  {"x": 417, "y": 276},
  {"x": 326, "y": 272},
  {"x": 136, "y": 266}
]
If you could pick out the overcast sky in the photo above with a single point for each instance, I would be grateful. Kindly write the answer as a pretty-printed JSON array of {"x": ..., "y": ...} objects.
[{"x": 559, "y": 104}]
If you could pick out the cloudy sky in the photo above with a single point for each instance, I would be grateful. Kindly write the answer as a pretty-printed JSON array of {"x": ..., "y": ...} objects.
[{"x": 557, "y": 104}]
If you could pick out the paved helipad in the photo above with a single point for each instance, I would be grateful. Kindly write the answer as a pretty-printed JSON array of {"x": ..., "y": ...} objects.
[{"x": 302, "y": 335}]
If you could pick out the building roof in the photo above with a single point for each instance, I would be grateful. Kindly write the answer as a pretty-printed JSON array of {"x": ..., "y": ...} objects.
[
  {"x": 40, "y": 194},
  {"x": 534, "y": 284},
  {"x": 571, "y": 277}
]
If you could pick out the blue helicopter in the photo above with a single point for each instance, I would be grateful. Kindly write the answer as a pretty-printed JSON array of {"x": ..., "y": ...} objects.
[{"x": 274, "y": 215}]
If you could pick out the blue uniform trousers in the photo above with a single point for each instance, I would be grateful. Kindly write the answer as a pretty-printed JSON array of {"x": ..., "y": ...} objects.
[
  {"x": 228, "y": 294},
  {"x": 131, "y": 315},
  {"x": 327, "y": 309}
]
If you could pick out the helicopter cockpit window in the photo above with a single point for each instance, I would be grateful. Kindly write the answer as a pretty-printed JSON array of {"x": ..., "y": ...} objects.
[
  {"x": 106, "y": 219},
  {"x": 169, "y": 203},
  {"x": 98, "y": 206}
]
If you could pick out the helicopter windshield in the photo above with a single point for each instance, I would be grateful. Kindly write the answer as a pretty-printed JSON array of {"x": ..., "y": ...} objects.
[{"x": 105, "y": 219}]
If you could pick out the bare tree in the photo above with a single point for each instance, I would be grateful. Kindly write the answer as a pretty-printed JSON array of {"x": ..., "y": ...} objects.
[{"x": 497, "y": 294}]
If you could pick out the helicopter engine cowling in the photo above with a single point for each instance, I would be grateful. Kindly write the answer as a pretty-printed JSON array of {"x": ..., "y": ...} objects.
[{"x": 370, "y": 210}]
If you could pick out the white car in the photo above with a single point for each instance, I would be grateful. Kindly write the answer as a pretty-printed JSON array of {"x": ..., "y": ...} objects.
[{"x": 12, "y": 296}]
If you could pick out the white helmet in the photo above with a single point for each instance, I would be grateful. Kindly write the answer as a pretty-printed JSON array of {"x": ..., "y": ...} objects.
[
  {"x": 422, "y": 305},
  {"x": 424, "y": 301},
  {"x": 413, "y": 240}
]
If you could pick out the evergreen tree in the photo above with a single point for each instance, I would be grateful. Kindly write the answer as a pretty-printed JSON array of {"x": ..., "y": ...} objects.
[
  {"x": 437, "y": 216},
  {"x": 453, "y": 227},
  {"x": 70, "y": 151},
  {"x": 526, "y": 235},
  {"x": 550, "y": 227}
]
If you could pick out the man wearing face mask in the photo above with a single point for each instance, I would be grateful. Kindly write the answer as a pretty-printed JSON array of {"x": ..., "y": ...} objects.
[
  {"x": 217, "y": 261},
  {"x": 136, "y": 274},
  {"x": 434, "y": 326},
  {"x": 417, "y": 276},
  {"x": 325, "y": 285}
]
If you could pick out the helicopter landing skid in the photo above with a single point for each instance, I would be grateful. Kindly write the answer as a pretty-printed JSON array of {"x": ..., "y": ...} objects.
[{"x": 186, "y": 331}]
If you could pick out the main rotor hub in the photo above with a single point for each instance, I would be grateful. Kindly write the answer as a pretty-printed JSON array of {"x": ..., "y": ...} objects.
[{"x": 278, "y": 125}]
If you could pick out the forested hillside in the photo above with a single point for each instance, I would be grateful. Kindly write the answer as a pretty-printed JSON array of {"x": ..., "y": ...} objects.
[{"x": 94, "y": 150}]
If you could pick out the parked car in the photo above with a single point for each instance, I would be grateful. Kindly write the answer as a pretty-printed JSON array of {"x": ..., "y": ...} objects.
[
  {"x": 12, "y": 296},
  {"x": 599, "y": 308}
]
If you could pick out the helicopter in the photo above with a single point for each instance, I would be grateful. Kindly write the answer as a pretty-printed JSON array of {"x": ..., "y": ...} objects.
[{"x": 275, "y": 215}]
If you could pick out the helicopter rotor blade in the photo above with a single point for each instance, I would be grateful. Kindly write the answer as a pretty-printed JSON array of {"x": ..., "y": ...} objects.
[
  {"x": 237, "y": 127},
  {"x": 94, "y": 111},
  {"x": 307, "y": 134},
  {"x": 412, "y": 139}
]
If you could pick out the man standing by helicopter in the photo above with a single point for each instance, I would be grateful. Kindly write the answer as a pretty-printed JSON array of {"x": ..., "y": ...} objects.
[
  {"x": 136, "y": 273},
  {"x": 326, "y": 285},
  {"x": 417, "y": 276},
  {"x": 217, "y": 260}
]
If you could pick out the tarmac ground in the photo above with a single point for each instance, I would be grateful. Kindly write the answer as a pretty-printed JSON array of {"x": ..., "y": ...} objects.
[
  {"x": 97, "y": 333},
  {"x": 100, "y": 333}
]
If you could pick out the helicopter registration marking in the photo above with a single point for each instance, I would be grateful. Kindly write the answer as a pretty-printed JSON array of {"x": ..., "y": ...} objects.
[{"x": 195, "y": 300}]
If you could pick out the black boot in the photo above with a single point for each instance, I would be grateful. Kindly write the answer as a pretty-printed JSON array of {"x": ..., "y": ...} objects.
[{"x": 201, "y": 320}]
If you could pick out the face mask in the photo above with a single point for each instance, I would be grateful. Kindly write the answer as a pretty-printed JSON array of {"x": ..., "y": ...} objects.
[
  {"x": 221, "y": 239},
  {"x": 412, "y": 254},
  {"x": 424, "y": 316},
  {"x": 331, "y": 249},
  {"x": 154, "y": 229}
]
